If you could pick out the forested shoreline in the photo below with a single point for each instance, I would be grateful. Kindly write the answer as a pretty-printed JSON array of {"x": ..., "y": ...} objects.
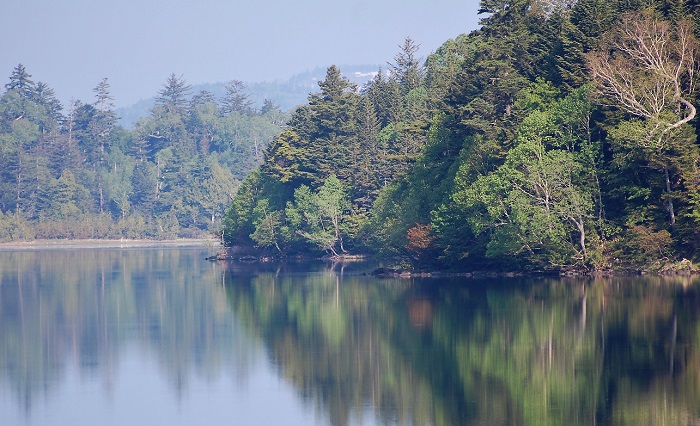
[
  {"x": 74, "y": 173},
  {"x": 557, "y": 137}
]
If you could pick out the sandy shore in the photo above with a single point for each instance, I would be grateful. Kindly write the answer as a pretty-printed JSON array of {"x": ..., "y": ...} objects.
[{"x": 88, "y": 244}]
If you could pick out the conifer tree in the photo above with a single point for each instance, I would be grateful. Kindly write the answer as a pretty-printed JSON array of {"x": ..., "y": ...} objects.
[
  {"x": 20, "y": 81},
  {"x": 174, "y": 94},
  {"x": 332, "y": 127},
  {"x": 366, "y": 162},
  {"x": 407, "y": 68},
  {"x": 105, "y": 118},
  {"x": 236, "y": 99}
]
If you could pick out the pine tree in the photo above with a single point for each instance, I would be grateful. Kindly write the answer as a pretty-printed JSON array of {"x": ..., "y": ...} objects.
[
  {"x": 268, "y": 106},
  {"x": 236, "y": 100},
  {"x": 174, "y": 94},
  {"x": 144, "y": 186},
  {"x": 407, "y": 68},
  {"x": 45, "y": 97},
  {"x": 569, "y": 56},
  {"x": 592, "y": 18},
  {"x": 385, "y": 95},
  {"x": 332, "y": 128},
  {"x": 105, "y": 118},
  {"x": 202, "y": 120},
  {"x": 366, "y": 161},
  {"x": 20, "y": 81}
]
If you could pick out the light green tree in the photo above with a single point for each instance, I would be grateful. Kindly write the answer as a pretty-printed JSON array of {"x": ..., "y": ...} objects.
[
  {"x": 318, "y": 216},
  {"x": 267, "y": 225},
  {"x": 540, "y": 204}
]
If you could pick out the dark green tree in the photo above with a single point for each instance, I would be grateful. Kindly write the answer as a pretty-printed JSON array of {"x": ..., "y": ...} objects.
[
  {"x": 367, "y": 163},
  {"x": 203, "y": 120},
  {"x": 105, "y": 118},
  {"x": 330, "y": 129},
  {"x": 144, "y": 187},
  {"x": 20, "y": 81}
]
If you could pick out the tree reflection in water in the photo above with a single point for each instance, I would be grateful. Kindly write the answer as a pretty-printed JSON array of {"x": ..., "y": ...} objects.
[
  {"x": 476, "y": 351},
  {"x": 440, "y": 351},
  {"x": 68, "y": 309}
]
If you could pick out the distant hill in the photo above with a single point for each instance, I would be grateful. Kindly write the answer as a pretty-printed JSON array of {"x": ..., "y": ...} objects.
[{"x": 285, "y": 93}]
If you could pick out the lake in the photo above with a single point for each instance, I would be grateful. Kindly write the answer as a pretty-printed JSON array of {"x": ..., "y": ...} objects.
[{"x": 161, "y": 336}]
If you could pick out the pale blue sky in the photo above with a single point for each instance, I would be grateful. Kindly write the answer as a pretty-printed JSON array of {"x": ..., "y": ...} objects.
[{"x": 72, "y": 44}]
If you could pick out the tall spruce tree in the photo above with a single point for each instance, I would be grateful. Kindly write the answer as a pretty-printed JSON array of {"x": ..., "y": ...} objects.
[
  {"x": 236, "y": 99},
  {"x": 332, "y": 129},
  {"x": 407, "y": 68},
  {"x": 174, "y": 95},
  {"x": 20, "y": 81}
]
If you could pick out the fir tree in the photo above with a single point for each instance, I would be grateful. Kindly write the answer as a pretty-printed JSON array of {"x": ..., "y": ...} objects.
[{"x": 174, "y": 94}]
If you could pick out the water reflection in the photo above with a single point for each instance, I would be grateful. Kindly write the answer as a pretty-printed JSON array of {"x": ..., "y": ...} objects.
[
  {"x": 456, "y": 351},
  {"x": 102, "y": 318},
  {"x": 161, "y": 336}
]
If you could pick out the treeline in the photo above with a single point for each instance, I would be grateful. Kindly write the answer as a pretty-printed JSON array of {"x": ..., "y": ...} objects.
[
  {"x": 75, "y": 173},
  {"x": 559, "y": 135}
]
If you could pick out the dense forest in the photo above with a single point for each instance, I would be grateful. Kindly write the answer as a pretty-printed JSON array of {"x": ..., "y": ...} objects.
[
  {"x": 558, "y": 136},
  {"x": 75, "y": 173}
]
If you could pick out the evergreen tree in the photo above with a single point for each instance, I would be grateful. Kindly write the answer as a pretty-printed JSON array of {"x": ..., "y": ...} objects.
[
  {"x": 331, "y": 129},
  {"x": 85, "y": 131},
  {"x": 174, "y": 95},
  {"x": 203, "y": 120},
  {"x": 144, "y": 186},
  {"x": 45, "y": 97},
  {"x": 407, "y": 68},
  {"x": 367, "y": 163},
  {"x": 236, "y": 100},
  {"x": 268, "y": 106},
  {"x": 385, "y": 95},
  {"x": 592, "y": 18},
  {"x": 20, "y": 81},
  {"x": 105, "y": 118},
  {"x": 569, "y": 56}
]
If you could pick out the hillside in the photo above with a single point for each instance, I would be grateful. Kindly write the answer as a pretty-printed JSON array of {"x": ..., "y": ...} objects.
[
  {"x": 557, "y": 137},
  {"x": 287, "y": 94},
  {"x": 74, "y": 172}
]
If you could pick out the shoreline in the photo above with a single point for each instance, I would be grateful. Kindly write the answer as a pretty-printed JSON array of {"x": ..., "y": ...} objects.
[{"x": 108, "y": 244}]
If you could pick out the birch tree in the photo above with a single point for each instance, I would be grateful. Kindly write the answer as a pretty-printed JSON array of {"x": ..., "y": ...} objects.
[{"x": 647, "y": 67}]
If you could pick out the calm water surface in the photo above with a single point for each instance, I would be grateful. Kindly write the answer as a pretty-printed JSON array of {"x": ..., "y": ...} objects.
[{"x": 160, "y": 336}]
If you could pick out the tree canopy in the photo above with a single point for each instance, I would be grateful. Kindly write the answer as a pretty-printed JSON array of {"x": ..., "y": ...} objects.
[
  {"x": 81, "y": 175},
  {"x": 559, "y": 135}
]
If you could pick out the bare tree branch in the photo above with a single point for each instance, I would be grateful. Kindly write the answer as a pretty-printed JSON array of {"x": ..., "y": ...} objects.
[{"x": 647, "y": 67}]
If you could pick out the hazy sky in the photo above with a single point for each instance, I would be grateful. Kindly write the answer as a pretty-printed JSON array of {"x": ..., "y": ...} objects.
[{"x": 72, "y": 44}]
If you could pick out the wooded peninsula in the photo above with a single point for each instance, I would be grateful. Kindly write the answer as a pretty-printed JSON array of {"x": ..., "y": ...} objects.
[{"x": 559, "y": 136}]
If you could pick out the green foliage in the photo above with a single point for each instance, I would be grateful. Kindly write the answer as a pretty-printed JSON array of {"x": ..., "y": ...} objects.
[
  {"x": 267, "y": 225},
  {"x": 545, "y": 140},
  {"x": 282, "y": 157},
  {"x": 173, "y": 96},
  {"x": 318, "y": 216},
  {"x": 238, "y": 222},
  {"x": 539, "y": 204},
  {"x": 83, "y": 176}
]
